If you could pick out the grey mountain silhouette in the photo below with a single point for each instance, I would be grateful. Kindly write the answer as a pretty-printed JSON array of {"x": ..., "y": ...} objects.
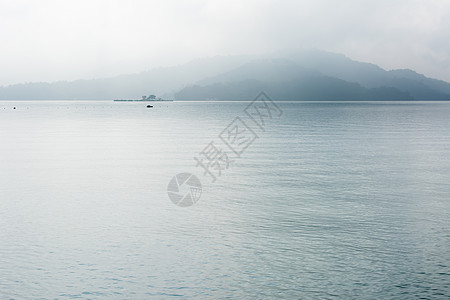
[{"x": 297, "y": 75}]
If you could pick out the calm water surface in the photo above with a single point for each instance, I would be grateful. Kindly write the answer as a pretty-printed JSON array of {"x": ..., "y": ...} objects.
[{"x": 333, "y": 200}]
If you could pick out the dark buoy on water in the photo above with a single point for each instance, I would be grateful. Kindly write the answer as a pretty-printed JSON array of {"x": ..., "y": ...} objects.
[
  {"x": 149, "y": 106},
  {"x": 14, "y": 107}
]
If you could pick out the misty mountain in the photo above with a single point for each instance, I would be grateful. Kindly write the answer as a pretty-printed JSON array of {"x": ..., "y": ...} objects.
[
  {"x": 372, "y": 76},
  {"x": 160, "y": 81},
  {"x": 284, "y": 80},
  {"x": 300, "y": 75},
  {"x": 317, "y": 75},
  {"x": 297, "y": 89}
]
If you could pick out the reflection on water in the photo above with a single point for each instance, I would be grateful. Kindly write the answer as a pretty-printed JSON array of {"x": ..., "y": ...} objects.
[{"x": 333, "y": 199}]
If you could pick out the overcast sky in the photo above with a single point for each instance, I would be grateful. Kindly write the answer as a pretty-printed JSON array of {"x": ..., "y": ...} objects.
[{"x": 48, "y": 40}]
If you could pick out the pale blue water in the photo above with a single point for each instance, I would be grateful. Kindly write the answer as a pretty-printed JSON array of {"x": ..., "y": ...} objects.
[{"x": 333, "y": 200}]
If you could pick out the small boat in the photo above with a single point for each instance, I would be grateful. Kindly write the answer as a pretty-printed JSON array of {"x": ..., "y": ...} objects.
[{"x": 149, "y": 106}]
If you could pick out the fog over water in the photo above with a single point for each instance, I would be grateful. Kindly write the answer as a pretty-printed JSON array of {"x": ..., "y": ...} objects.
[
  {"x": 53, "y": 40},
  {"x": 337, "y": 188}
]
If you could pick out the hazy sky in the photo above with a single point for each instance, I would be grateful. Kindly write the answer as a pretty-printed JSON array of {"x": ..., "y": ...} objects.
[{"x": 47, "y": 40}]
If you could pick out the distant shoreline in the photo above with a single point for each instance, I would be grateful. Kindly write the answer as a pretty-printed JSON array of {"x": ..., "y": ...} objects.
[
  {"x": 130, "y": 100},
  {"x": 224, "y": 101}
]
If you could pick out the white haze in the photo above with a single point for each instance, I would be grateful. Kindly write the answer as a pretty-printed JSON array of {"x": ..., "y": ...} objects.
[{"x": 49, "y": 40}]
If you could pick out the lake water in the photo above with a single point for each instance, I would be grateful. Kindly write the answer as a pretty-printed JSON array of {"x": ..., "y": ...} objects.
[{"x": 332, "y": 200}]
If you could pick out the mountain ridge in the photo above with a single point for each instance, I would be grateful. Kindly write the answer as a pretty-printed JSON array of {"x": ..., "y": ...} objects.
[{"x": 300, "y": 75}]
